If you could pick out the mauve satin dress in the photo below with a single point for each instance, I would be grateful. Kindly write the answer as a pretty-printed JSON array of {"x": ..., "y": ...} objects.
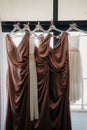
[
  {"x": 59, "y": 85},
  {"x": 18, "y": 89},
  {"x": 42, "y": 64}
]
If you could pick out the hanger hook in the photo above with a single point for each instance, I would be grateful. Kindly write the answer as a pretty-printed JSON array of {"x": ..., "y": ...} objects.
[
  {"x": 38, "y": 23},
  {"x": 52, "y": 22},
  {"x": 26, "y": 25}
]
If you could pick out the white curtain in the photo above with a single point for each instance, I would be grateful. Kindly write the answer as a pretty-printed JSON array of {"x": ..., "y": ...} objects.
[{"x": 3, "y": 68}]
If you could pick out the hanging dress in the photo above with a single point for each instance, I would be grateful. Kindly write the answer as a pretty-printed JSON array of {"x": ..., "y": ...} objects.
[
  {"x": 41, "y": 55},
  {"x": 18, "y": 88},
  {"x": 34, "y": 112},
  {"x": 59, "y": 85},
  {"x": 75, "y": 68}
]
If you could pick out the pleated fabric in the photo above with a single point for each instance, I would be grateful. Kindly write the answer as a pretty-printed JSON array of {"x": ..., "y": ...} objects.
[
  {"x": 18, "y": 88},
  {"x": 59, "y": 85},
  {"x": 52, "y": 65},
  {"x": 42, "y": 63}
]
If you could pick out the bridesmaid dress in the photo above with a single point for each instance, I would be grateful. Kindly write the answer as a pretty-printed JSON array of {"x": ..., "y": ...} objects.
[
  {"x": 59, "y": 85},
  {"x": 41, "y": 54},
  {"x": 18, "y": 88}
]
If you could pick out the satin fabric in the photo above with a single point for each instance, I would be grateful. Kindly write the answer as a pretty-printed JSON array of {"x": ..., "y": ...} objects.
[
  {"x": 59, "y": 85},
  {"x": 18, "y": 91},
  {"x": 53, "y": 85},
  {"x": 42, "y": 63}
]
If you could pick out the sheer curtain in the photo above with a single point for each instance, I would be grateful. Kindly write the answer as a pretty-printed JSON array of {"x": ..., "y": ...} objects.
[{"x": 3, "y": 68}]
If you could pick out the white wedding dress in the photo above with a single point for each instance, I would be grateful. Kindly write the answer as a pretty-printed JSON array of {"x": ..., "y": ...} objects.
[{"x": 75, "y": 69}]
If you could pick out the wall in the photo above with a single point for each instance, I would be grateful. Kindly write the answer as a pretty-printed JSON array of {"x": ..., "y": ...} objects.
[{"x": 26, "y": 10}]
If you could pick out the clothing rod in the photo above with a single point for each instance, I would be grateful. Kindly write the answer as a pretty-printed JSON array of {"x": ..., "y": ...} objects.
[{"x": 7, "y": 26}]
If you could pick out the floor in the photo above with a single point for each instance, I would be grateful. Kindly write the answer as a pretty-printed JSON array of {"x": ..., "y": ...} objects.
[{"x": 79, "y": 120}]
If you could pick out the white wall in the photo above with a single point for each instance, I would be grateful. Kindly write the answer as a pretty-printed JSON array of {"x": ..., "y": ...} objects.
[
  {"x": 72, "y": 9},
  {"x": 26, "y": 10}
]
